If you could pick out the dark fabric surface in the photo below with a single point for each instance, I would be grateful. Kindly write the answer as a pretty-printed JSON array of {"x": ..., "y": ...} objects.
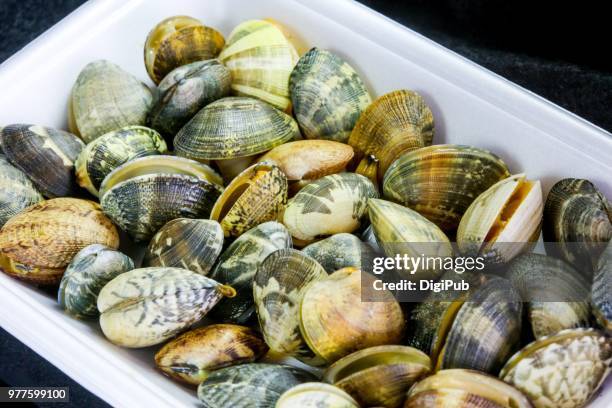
[{"x": 554, "y": 50}]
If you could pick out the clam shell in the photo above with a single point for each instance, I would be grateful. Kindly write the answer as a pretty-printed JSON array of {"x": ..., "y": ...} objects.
[
  {"x": 340, "y": 251},
  {"x": 186, "y": 243},
  {"x": 260, "y": 59},
  {"x": 45, "y": 155},
  {"x": 193, "y": 355},
  {"x": 16, "y": 191},
  {"x": 328, "y": 96},
  {"x": 395, "y": 123},
  {"x": 554, "y": 291},
  {"x": 254, "y": 385},
  {"x": 441, "y": 181},
  {"x": 37, "y": 244},
  {"x": 184, "y": 91},
  {"x": 177, "y": 41},
  {"x": 239, "y": 262},
  {"x": 234, "y": 127},
  {"x": 601, "y": 294},
  {"x": 334, "y": 321},
  {"x": 147, "y": 306},
  {"x": 142, "y": 195},
  {"x": 256, "y": 195},
  {"x": 464, "y": 389},
  {"x": 563, "y": 370},
  {"x": 315, "y": 395},
  {"x": 503, "y": 221},
  {"x": 90, "y": 269},
  {"x": 379, "y": 376},
  {"x": 329, "y": 205},
  {"x": 113, "y": 149},
  {"x": 106, "y": 98},
  {"x": 278, "y": 288}
]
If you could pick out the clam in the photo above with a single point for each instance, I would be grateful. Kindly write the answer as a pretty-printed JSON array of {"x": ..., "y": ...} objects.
[
  {"x": 113, "y": 149},
  {"x": 147, "y": 306},
  {"x": 260, "y": 58},
  {"x": 254, "y": 385},
  {"x": 441, "y": 181},
  {"x": 556, "y": 293},
  {"x": 464, "y": 389},
  {"x": 395, "y": 123},
  {"x": 278, "y": 288},
  {"x": 578, "y": 221},
  {"x": 334, "y": 321},
  {"x": 503, "y": 221},
  {"x": 340, "y": 251},
  {"x": 142, "y": 195},
  {"x": 329, "y": 205},
  {"x": 379, "y": 376},
  {"x": 184, "y": 91},
  {"x": 303, "y": 161},
  {"x": 315, "y": 395},
  {"x": 90, "y": 269},
  {"x": 601, "y": 293},
  {"x": 186, "y": 243},
  {"x": 328, "y": 96},
  {"x": 563, "y": 370},
  {"x": 256, "y": 195},
  {"x": 177, "y": 41},
  {"x": 192, "y": 356},
  {"x": 37, "y": 244},
  {"x": 239, "y": 262},
  {"x": 105, "y": 98},
  {"x": 16, "y": 191},
  {"x": 45, "y": 155}
]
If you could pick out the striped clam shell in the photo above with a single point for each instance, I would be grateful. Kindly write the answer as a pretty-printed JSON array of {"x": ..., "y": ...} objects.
[
  {"x": 146, "y": 306},
  {"x": 16, "y": 191},
  {"x": 441, "y": 181},
  {"x": 113, "y": 149},
  {"x": 328, "y": 96},
  {"x": 601, "y": 294},
  {"x": 90, "y": 269},
  {"x": 315, "y": 394},
  {"x": 340, "y": 251}
]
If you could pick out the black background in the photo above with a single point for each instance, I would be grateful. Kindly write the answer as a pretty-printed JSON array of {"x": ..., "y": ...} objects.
[{"x": 558, "y": 51}]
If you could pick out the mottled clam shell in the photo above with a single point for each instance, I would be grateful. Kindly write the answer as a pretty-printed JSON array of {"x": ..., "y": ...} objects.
[
  {"x": 379, "y": 376},
  {"x": 90, "y": 269},
  {"x": 237, "y": 266},
  {"x": 441, "y": 181},
  {"x": 601, "y": 294},
  {"x": 254, "y": 385},
  {"x": 183, "y": 92},
  {"x": 464, "y": 389},
  {"x": 234, "y": 127},
  {"x": 177, "y": 41},
  {"x": 578, "y": 220},
  {"x": 563, "y": 370},
  {"x": 186, "y": 243},
  {"x": 142, "y": 195},
  {"x": 315, "y": 395},
  {"x": 106, "y": 98},
  {"x": 329, "y": 205},
  {"x": 395, "y": 123},
  {"x": 328, "y": 96},
  {"x": 192, "y": 356},
  {"x": 16, "y": 191},
  {"x": 502, "y": 222},
  {"x": 278, "y": 288},
  {"x": 113, "y": 149},
  {"x": 37, "y": 244},
  {"x": 260, "y": 59},
  {"x": 340, "y": 251},
  {"x": 147, "y": 306},
  {"x": 45, "y": 155},
  {"x": 335, "y": 322}
]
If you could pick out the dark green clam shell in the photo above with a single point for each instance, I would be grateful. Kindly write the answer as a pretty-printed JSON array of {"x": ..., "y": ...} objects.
[
  {"x": 16, "y": 191},
  {"x": 340, "y": 251}
]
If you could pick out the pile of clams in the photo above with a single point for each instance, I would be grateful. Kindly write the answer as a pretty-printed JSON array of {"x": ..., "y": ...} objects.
[{"x": 228, "y": 213}]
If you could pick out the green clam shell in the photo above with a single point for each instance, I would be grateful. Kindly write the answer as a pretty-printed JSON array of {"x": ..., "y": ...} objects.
[
  {"x": 16, "y": 191},
  {"x": 90, "y": 269},
  {"x": 340, "y": 251}
]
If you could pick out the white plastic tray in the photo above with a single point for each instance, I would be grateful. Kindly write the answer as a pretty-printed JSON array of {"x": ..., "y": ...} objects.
[{"x": 471, "y": 106}]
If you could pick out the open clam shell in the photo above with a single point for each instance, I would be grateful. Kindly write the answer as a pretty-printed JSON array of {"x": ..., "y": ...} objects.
[
  {"x": 601, "y": 293},
  {"x": 340, "y": 251},
  {"x": 315, "y": 394},
  {"x": 328, "y": 96},
  {"x": 17, "y": 192}
]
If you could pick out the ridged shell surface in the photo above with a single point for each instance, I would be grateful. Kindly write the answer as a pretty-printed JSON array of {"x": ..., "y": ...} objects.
[
  {"x": 316, "y": 395},
  {"x": 17, "y": 192},
  {"x": 601, "y": 295},
  {"x": 340, "y": 251}
]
